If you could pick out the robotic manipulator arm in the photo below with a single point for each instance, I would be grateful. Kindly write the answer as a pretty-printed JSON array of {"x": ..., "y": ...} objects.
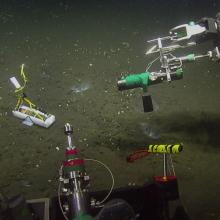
[{"x": 182, "y": 36}]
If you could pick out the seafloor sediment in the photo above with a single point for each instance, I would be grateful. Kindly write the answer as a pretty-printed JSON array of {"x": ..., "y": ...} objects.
[{"x": 74, "y": 55}]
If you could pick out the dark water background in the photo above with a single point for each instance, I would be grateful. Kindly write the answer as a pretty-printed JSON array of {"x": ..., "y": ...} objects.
[{"x": 74, "y": 52}]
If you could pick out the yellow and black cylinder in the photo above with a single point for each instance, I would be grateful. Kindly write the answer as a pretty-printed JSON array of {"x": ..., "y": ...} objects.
[{"x": 165, "y": 148}]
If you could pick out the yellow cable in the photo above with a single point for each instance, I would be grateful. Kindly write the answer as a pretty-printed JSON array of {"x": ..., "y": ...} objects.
[
  {"x": 31, "y": 105},
  {"x": 23, "y": 75},
  {"x": 20, "y": 94},
  {"x": 19, "y": 102}
]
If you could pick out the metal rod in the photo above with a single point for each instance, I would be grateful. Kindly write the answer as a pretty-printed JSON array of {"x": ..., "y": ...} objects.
[
  {"x": 201, "y": 56},
  {"x": 70, "y": 145},
  {"x": 164, "y": 164}
]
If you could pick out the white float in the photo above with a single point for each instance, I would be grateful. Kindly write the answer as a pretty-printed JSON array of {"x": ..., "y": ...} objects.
[{"x": 33, "y": 116}]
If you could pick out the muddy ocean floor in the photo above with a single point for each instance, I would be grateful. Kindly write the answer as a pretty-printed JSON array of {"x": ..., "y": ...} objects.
[{"x": 74, "y": 53}]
